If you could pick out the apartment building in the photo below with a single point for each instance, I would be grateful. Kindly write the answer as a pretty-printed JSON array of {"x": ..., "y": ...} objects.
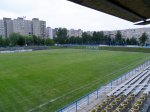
[
  {"x": 75, "y": 33},
  {"x": 49, "y": 32},
  {"x": 8, "y": 24},
  {"x": 55, "y": 32},
  {"x": 43, "y": 29},
  {"x": 2, "y": 28},
  {"x": 21, "y": 26},
  {"x": 39, "y": 27},
  {"x": 129, "y": 33}
]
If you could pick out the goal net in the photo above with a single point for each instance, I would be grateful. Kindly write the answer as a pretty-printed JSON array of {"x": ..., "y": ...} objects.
[{"x": 92, "y": 48}]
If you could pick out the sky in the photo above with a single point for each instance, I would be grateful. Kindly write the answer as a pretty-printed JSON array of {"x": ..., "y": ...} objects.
[{"x": 62, "y": 13}]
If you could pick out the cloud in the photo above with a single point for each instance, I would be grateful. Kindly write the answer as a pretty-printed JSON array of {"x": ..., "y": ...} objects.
[
  {"x": 62, "y": 13},
  {"x": 16, "y": 6}
]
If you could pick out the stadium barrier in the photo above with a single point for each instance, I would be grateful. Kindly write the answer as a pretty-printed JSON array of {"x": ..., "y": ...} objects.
[
  {"x": 100, "y": 93},
  {"x": 14, "y": 51},
  {"x": 24, "y": 48}
]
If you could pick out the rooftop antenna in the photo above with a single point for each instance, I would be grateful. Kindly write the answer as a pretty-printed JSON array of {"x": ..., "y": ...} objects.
[{"x": 24, "y": 17}]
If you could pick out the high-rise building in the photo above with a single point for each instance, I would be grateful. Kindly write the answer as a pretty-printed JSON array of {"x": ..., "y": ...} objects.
[
  {"x": 36, "y": 26},
  {"x": 129, "y": 33},
  {"x": 80, "y": 33},
  {"x": 55, "y": 32},
  {"x": 43, "y": 29},
  {"x": 28, "y": 27},
  {"x": 39, "y": 27},
  {"x": 8, "y": 26},
  {"x": 18, "y": 26},
  {"x": 75, "y": 33},
  {"x": 49, "y": 32},
  {"x": 2, "y": 28},
  {"x": 24, "y": 27},
  {"x": 90, "y": 33}
]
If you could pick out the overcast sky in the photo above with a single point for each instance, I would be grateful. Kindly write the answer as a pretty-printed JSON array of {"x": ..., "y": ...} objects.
[{"x": 62, "y": 13}]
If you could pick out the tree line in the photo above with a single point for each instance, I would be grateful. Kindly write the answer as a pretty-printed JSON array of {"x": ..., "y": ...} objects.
[
  {"x": 16, "y": 39},
  {"x": 98, "y": 38}
]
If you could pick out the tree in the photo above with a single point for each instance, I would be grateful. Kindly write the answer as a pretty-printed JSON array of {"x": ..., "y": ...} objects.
[
  {"x": 6, "y": 42},
  {"x": 78, "y": 40},
  {"x": 143, "y": 39},
  {"x": 95, "y": 37},
  {"x": 21, "y": 40},
  {"x": 14, "y": 38},
  {"x": 86, "y": 38},
  {"x": 36, "y": 40},
  {"x": 49, "y": 41},
  {"x": 118, "y": 38},
  {"x": 133, "y": 41},
  {"x": 72, "y": 40},
  {"x": 101, "y": 37},
  {"x": 109, "y": 40},
  {"x": 17, "y": 39},
  {"x": 29, "y": 40},
  {"x": 128, "y": 41},
  {"x": 1, "y": 41},
  {"x": 123, "y": 41},
  {"x": 61, "y": 36}
]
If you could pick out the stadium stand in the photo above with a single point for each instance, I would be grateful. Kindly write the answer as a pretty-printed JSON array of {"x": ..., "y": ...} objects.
[
  {"x": 130, "y": 96},
  {"x": 128, "y": 93},
  {"x": 131, "y": 80}
]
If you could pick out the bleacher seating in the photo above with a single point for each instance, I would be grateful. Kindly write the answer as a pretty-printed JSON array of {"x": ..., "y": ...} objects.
[
  {"x": 136, "y": 92},
  {"x": 129, "y": 96},
  {"x": 122, "y": 85},
  {"x": 136, "y": 84},
  {"x": 147, "y": 91}
]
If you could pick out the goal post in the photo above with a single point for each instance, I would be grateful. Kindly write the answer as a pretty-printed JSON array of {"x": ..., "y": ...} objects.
[{"x": 92, "y": 47}]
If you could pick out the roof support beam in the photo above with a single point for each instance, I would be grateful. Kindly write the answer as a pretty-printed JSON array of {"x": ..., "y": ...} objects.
[
  {"x": 122, "y": 8},
  {"x": 143, "y": 23}
]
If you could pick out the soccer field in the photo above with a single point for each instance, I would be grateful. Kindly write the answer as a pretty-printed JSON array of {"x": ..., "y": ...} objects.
[{"x": 33, "y": 78}]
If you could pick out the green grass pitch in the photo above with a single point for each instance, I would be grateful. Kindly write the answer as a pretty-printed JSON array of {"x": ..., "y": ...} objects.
[{"x": 33, "y": 78}]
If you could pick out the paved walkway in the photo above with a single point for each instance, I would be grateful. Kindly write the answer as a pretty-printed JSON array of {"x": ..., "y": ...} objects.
[{"x": 93, "y": 104}]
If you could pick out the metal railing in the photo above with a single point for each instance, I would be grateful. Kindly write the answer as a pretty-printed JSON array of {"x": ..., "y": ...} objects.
[{"x": 100, "y": 93}]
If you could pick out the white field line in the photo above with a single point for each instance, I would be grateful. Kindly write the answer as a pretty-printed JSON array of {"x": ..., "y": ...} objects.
[{"x": 13, "y": 90}]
